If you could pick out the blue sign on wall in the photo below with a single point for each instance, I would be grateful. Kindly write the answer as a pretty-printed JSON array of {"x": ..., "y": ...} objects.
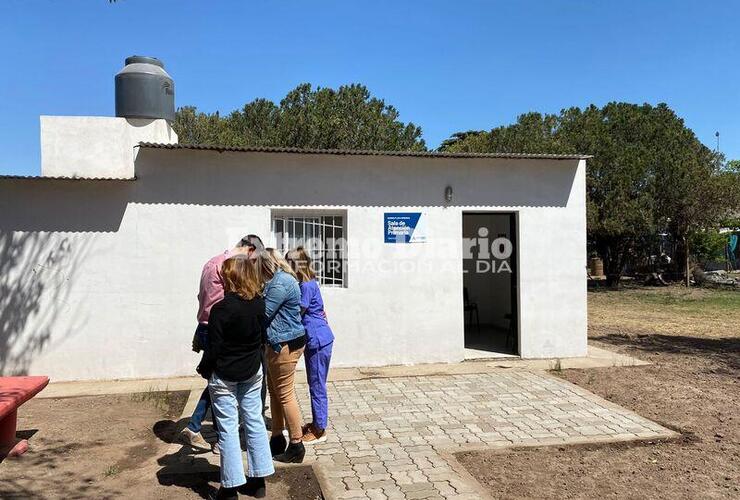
[{"x": 404, "y": 227}]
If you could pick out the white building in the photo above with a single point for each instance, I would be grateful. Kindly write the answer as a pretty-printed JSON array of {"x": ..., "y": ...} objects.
[{"x": 100, "y": 256}]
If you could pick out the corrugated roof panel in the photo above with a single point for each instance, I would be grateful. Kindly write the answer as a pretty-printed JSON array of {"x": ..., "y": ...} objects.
[{"x": 351, "y": 152}]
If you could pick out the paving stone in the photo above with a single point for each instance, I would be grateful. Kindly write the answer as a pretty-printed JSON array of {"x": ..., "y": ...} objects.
[
  {"x": 375, "y": 494},
  {"x": 352, "y": 483},
  {"x": 445, "y": 488},
  {"x": 425, "y": 493},
  {"x": 353, "y": 494},
  {"x": 388, "y": 483},
  {"x": 339, "y": 473},
  {"x": 394, "y": 493},
  {"x": 367, "y": 478},
  {"x": 411, "y": 487},
  {"x": 385, "y": 435},
  {"x": 401, "y": 478}
]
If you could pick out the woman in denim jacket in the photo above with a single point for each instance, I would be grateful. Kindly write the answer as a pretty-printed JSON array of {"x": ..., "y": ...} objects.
[{"x": 286, "y": 340}]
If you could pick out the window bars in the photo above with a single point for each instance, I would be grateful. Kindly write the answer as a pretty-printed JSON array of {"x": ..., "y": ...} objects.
[{"x": 323, "y": 237}]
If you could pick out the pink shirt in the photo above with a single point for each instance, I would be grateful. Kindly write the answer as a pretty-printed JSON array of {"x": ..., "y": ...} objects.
[{"x": 211, "y": 285}]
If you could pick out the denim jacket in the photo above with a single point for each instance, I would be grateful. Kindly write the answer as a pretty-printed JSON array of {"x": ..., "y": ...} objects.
[{"x": 283, "y": 309}]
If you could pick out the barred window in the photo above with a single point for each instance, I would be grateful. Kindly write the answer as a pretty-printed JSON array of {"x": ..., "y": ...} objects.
[{"x": 323, "y": 236}]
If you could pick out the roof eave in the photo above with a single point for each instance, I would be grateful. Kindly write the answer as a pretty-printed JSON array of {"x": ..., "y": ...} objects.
[{"x": 350, "y": 152}]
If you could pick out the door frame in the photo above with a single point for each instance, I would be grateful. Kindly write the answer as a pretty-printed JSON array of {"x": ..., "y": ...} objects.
[{"x": 514, "y": 263}]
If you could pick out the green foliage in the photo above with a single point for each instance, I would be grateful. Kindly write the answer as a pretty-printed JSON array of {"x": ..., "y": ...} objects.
[
  {"x": 732, "y": 223},
  {"x": 708, "y": 246},
  {"x": 464, "y": 139},
  {"x": 732, "y": 166},
  {"x": 649, "y": 172},
  {"x": 346, "y": 118},
  {"x": 532, "y": 133}
]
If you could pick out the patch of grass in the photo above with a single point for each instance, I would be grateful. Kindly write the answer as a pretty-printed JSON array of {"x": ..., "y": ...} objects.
[
  {"x": 160, "y": 399},
  {"x": 111, "y": 471},
  {"x": 702, "y": 300},
  {"x": 674, "y": 310}
]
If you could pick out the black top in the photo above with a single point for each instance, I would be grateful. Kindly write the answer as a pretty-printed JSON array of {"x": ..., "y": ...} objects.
[{"x": 236, "y": 333}]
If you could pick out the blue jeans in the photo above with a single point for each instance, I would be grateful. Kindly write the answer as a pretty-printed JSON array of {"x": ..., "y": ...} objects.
[
  {"x": 317, "y": 369},
  {"x": 229, "y": 399},
  {"x": 196, "y": 420}
]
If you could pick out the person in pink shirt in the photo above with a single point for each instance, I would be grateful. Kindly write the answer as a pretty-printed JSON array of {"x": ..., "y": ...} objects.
[{"x": 212, "y": 291}]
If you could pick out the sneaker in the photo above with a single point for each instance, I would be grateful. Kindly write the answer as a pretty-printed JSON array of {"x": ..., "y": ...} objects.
[
  {"x": 312, "y": 435},
  {"x": 194, "y": 440},
  {"x": 306, "y": 427}
]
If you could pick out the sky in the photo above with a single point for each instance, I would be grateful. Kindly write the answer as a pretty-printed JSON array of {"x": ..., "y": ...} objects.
[{"x": 447, "y": 66}]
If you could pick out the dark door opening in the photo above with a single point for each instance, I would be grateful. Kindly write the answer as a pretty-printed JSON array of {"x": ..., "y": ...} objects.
[{"x": 490, "y": 282}]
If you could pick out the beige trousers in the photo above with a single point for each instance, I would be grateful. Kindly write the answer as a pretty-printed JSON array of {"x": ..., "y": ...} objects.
[{"x": 281, "y": 382}]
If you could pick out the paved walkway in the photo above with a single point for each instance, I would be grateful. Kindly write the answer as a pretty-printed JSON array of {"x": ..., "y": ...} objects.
[
  {"x": 394, "y": 437},
  {"x": 597, "y": 358}
]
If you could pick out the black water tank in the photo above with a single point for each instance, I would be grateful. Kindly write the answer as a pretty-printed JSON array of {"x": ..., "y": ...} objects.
[{"x": 145, "y": 90}]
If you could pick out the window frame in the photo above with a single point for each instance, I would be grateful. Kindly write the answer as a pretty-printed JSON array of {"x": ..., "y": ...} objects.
[{"x": 283, "y": 215}]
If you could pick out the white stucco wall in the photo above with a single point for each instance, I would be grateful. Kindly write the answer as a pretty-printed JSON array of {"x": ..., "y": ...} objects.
[
  {"x": 97, "y": 146},
  {"x": 101, "y": 277}
]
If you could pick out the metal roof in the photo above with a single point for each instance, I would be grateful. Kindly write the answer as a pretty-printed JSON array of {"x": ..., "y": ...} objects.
[
  {"x": 356, "y": 152},
  {"x": 309, "y": 151},
  {"x": 64, "y": 178}
]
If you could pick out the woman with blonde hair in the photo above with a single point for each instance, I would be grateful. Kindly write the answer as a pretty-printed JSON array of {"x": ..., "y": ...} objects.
[
  {"x": 232, "y": 365},
  {"x": 319, "y": 342},
  {"x": 286, "y": 340}
]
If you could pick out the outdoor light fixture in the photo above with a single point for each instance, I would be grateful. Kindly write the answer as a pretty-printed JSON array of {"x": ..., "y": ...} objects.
[{"x": 448, "y": 194}]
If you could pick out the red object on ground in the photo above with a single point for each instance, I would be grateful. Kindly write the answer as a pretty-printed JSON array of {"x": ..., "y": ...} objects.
[{"x": 14, "y": 391}]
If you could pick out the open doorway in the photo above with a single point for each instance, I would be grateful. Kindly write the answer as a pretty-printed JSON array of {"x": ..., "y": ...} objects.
[{"x": 490, "y": 284}]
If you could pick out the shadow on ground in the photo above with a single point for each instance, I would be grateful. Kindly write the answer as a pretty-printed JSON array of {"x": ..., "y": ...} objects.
[
  {"x": 725, "y": 352},
  {"x": 176, "y": 467},
  {"x": 51, "y": 456},
  {"x": 187, "y": 468}
]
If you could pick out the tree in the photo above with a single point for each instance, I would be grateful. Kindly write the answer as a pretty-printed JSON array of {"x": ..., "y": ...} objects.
[
  {"x": 193, "y": 127},
  {"x": 323, "y": 118},
  {"x": 466, "y": 140},
  {"x": 732, "y": 166},
  {"x": 708, "y": 246},
  {"x": 693, "y": 191},
  {"x": 532, "y": 132},
  {"x": 649, "y": 171}
]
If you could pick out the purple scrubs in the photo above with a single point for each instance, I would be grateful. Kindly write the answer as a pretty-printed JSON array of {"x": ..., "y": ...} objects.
[{"x": 320, "y": 340}]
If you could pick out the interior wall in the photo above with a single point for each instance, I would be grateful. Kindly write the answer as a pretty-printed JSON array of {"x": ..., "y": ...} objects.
[{"x": 491, "y": 291}]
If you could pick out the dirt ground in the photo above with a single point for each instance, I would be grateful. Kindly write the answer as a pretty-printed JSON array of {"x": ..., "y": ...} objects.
[
  {"x": 692, "y": 340},
  {"x": 115, "y": 447}
]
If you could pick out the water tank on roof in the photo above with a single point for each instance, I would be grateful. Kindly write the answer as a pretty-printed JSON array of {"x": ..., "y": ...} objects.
[{"x": 145, "y": 90}]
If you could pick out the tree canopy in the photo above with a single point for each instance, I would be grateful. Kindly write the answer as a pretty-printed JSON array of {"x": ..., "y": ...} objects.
[
  {"x": 345, "y": 118},
  {"x": 649, "y": 172}
]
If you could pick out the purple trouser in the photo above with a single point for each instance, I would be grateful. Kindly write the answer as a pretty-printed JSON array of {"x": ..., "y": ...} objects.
[{"x": 317, "y": 369}]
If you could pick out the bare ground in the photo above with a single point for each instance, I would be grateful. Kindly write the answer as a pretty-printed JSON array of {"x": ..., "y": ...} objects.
[
  {"x": 693, "y": 386},
  {"x": 115, "y": 447}
]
